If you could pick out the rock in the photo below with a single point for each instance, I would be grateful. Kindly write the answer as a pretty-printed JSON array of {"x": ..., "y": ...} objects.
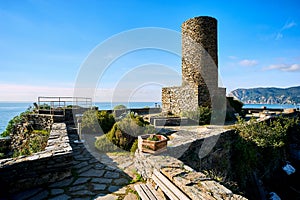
[
  {"x": 102, "y": 180},
  {"x": 77, "y": 187},
  {"x": 26, "y": 194},
  {"x": 121, "y": 181},
  {"x": 93, "y": 173},
  {"x": 61, "y": 197},
  {"x": 99, "y": 186},
  {"x": 63, "y": 183},
  {"x": 113, "y": 188},
  {"x": 81, "y": 181},
  {"x": 56, "y": 191},
  {"x": 109, "y": 174},
  {"x": 42, "y": 195}
]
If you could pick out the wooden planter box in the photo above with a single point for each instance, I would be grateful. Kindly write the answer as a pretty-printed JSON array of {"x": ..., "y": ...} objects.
[{"x": 153, "y": 147}]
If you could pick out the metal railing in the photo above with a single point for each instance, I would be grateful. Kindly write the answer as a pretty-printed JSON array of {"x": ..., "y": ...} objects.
[{"x": 56, "y": 104}]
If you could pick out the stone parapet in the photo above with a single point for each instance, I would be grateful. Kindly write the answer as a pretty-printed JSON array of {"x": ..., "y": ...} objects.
[
  {"x": 184, "y": 144},
  {"x": 51, "y": 165},
  {"x": 194, "y": 184}
]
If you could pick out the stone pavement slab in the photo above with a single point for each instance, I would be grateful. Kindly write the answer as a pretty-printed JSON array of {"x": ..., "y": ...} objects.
[{"x": 92, "y": 177}]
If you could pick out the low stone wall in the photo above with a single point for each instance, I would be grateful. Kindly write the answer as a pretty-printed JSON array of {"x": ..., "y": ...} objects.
[
  {"x": 169, "y": 121},
  {"x": 51, "y": 165},
  {"x": 195, "y": 184},
  {"x": 40, "y": 121}
]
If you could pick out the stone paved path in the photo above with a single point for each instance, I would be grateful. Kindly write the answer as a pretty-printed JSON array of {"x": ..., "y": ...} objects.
[{"x": 92, "y": 177}]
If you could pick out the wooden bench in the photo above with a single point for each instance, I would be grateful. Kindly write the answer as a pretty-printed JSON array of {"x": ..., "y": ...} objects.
[{"x": 147, "y": 192}]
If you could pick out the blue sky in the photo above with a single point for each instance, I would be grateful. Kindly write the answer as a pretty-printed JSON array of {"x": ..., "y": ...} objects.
[{"x": 43, "y": 43}]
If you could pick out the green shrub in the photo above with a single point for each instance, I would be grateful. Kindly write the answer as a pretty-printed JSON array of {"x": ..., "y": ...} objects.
[
  {"x": 259, "y": 147},
  {"x": 105, "y": 120},
  {"x": 36, "y": 142},
  {"x": 120, "y": 107},
  {"x": 134, "y": 146},
  {"x": 44, "y": 106},
  {"x": 201, "y": 116},
  {"x": 16, "y": 120},
  {"x": 89, "y": 122},
  {"x": 263, "y": 134},
  {"x": 125, "y": 132},
  {"x": 92, "y": 119},
  {"x": 103, "y": 144}
]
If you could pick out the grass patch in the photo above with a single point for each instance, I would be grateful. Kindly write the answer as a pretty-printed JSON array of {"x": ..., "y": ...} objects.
[{"x": 137, "y": 178}]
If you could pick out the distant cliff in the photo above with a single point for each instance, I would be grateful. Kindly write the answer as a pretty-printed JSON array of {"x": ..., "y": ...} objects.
[{"x": 268, "y": 95}]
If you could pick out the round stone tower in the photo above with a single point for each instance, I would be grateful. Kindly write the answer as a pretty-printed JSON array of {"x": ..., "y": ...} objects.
[
  {"x": 200, "y": 52},
  {"x": 199, "y": 69}
]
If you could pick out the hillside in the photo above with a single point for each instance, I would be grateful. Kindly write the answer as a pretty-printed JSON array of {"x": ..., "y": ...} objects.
[{"x": 268, "y": 95}]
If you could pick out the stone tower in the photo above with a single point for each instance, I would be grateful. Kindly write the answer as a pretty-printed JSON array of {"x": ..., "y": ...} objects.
[{"x": 199, "y": 68}]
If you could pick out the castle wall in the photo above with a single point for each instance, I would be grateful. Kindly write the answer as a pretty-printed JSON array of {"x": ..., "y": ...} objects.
[
  {"x": 199, "y": 68},
  {"x": 200, "y": 52},
  {"x": 178, "y": 99}
]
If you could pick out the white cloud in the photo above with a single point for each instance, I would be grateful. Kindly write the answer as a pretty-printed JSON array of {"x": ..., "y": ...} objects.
[
  {"x": 233, "y": 57},
  {"x": 284, "y": 67},
  {"x": 287, "y": 25},
  {"x": 278, "y": 36},
  {"x": 15, "y": 92},
  {"x": 247, "y": 62}
]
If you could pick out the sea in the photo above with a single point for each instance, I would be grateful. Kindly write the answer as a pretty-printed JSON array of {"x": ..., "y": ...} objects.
[
  {"x": 10, "y": 109},
  {"x": 274, "y": 106}
]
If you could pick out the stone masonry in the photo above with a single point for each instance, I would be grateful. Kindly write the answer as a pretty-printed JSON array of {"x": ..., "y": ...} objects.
[
  {"x": 51, "y": 165},
  {"x": 194, "y": 184},
  {"x": 199, "y": 68}
]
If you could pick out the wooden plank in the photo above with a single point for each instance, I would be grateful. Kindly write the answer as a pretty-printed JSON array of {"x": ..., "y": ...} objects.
[
  {"x": 141, "y": 192},
  {"x": 145, "y": 150},
  {"x": 154, "y": 192},
  {"x": 148, "y": 192},
  {"x": 164, "y": 188},
  {"x": 170, "y": 186}
]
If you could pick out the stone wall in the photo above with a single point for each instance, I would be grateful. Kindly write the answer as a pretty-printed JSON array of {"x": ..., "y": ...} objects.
[
  {"x": 21, "y": 133},
  {"x": 40, "y": 122},
  {"x": 199, "y": 68},
  {"x": 178, "y": 99},
  {"x": 195, "y": 184},
  {"x": 51, "y": 165},
  {"x": 218, "y": 159}
]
